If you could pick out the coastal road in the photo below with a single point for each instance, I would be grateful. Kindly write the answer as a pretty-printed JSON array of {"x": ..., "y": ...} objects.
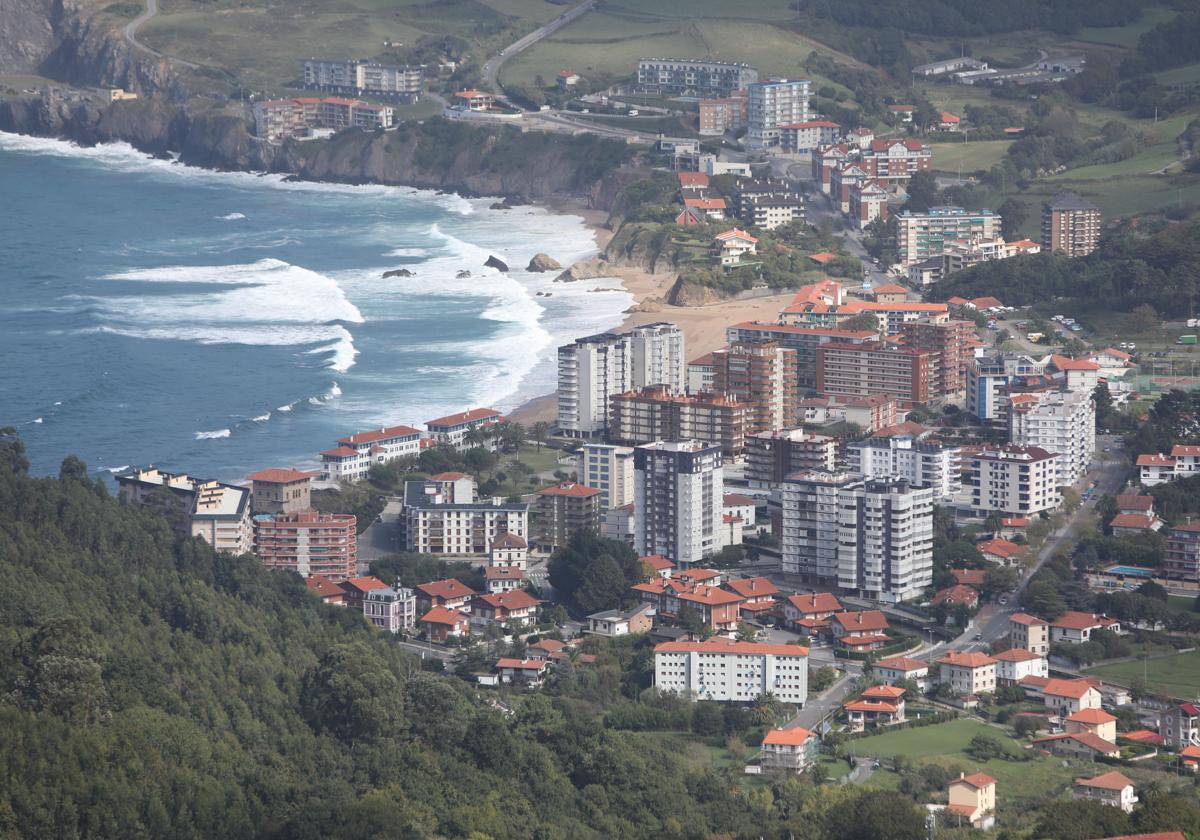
[
  {"x": 491, "y": 69},
  {"x": 134, "y": 25}
]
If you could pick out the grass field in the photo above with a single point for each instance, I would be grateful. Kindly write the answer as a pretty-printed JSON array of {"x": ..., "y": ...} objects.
[
  {"x": 1126, "y": 36},
  {"x": 1177, "y": 675},
  {"x": 919, "y": 742},
  {"x": 976, "y": 156},
  {"x": 1188, "y": 74}
]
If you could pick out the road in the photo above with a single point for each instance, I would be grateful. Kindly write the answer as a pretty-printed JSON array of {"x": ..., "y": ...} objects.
[
  {"x": 819, "y": 708},
  {"x": 134, "y": 25},
  {"x": 491, "y": 69}
]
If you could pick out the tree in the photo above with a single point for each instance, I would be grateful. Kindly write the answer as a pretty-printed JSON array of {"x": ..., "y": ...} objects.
[
  {"x": 707, "y": 718},
  {"x": 1082, "y": 819},
  {"x": 351, "y": 694},
  {"x": 1144, "y": 318},
  {"x": 568, "y": 566},
  {"x": 1013, "y": 213},
  {"x": 540, "y": 432},
  {"x": 923, "y": 192},
  {"x": 874, "y": 815},
  {"x": 866, "y": 321},
  {"x": 689, "y": 618},
  {"x": 746, "y": 632}
]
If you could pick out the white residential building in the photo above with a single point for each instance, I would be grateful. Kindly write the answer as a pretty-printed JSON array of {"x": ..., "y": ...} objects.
[
  {"x": 594, "y": 368},
  {"x": 217, "y": 513},
  {"x": 390, "y": 609},
  {"x": 1014, "y": 664},
  {"x": 677, "y": 501},
  {"x": 728, "y": 671},
  {"x": 968, "y": 673},
  {"x": 431, "y": 524},
  {"x": 773, "y": 104},
  {"x": 354, "y": 456},
  {"x": 921, "y": 464},
  {"x": 608, "y": 469},
  {"x": 1113, "y": 788},
  {"x": 1060, "y": 422},
  {"x": 872, "y": 537},
  {"x": 1156, "y": 468},
  {"x": 1016, "y": 480},
  {"x": 986, "y": 375},
  {"x": 454, "y": 429}
]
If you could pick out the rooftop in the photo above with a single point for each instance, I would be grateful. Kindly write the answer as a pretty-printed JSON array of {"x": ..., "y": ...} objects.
[{"x": 279, "y": 476}]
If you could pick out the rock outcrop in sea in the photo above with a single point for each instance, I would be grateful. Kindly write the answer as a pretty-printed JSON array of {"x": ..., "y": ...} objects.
[
  {"x": 496, "y": 263},
  {"x": 543, "y": 262},
  {"x": 398, "y": 272}
]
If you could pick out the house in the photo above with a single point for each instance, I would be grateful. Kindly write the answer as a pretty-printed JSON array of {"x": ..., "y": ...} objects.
[
  {"x": 1014, "y": 664},
  {"x": 811, "y": 612},
  {"x": 968, "y": 673},
  {"x": 450, "y": 593},
  {"x": 1189, "y": 757},
  {"x": 545, "y": 648},
  {"x": 1111, "y": 788},
  {"x": 1075, "y": 627},
  {"x": 735, "y": 504},
  {"x": 789, "y": 750},
  {"x": 502, "y": 578},
  {"x": 903, "y": 113},
  {"x": 969, "y": 577},
  {"x": 567, "y": 79},
  {"x": 948, "y": 121},
  {"x": 1179, "y": 724},
  {"x": 732, "y": 245},
  {"x": 1096, "y": 721},
  {"x": 879, "y": 705},
  {"x": 890, "y": 293},
  {"x": 453, "y": 429},
  {"x": 1079, "y": 745},
  {"x": 1029, "y": 632},
  {"x": 717, "y": 608},
  {"x": 639, "y": 619},
  {"x": 442, "y": 623},
  {"x": 1132, "y": 524},
  {"x": 898, "y": 668},
  {"x": 958, "y": 594},
  {"x": 758, "y": 595},
  {"x": 690, "y": 216},
  {"x": 973, "y": 798},
  {"x": 391, "y": 610},
  {"x": 712, "y": 208},
  {"x": 529, "y": 672},
  {"x": 1010, "y": 526},
  {"x": 474, "y": 100},
  {"x": 501, "y": 609},
  {"x": 455, "y": 488},
  {"x": 356, "y": 589},
  {"x": 325, "y": 589},
  {"x": 1070, "y": 696},
  {"x": 1002, "y": 552},
  {"x": 509, "y": 550},
  {"x": 658, "y": 565},
  {"x": 1155, "y": 468},
  {"x": 860, "y": 631}
]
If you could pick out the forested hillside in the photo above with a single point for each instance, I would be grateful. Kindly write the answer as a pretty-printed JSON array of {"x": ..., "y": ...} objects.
[{"x": 153, "y": 689}]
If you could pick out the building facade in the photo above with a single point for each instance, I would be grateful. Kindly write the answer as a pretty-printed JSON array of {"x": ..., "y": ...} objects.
[
  {"x": 677, "y": 501},
  {"x": 217, "y": 513},
  {"x": 431, "y": 524},
  {"x": 804, "y": 340},
  {"x": 773, "y": 456},
  {"x": 1182, "y": 556},
  {"x": 609, "y": 469},
  {"x": 924, "y": 235},
  {"x": 1016, "y": 480},
  {"x": 728, "y": 671},
  {"x": 763, "y": 378},
  {"x": 391, "y": 610},
  {"x": 1060, "y": 422},
  {"x": 932, "y": 465},
  {"x": 773, "y": 104},
  {"x": 654, "y": 414},
  {"x": 1070, "y": 225},
  {"x": 699, "y": 77},
  {"x": 355, "y": 454},
  {"x": 308, "y": 543},
  {"x": 872, "y": 368},
  {"x": 563, "y": 510},
  {"x": 281, "y": 491},
  {"x": 951, "y": 340},
  {"x": 403, "y": 82}
]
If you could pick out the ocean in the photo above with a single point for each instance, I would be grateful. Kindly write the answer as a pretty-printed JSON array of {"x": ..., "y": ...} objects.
[{"x": 218, "y": 323}]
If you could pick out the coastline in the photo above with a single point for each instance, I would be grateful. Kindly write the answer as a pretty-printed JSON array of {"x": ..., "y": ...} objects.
[{"x": 703, "y": 326}]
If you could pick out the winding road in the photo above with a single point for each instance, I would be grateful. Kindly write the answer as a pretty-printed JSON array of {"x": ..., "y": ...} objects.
[
  {"x": 491, "y": 69},
  {"x": 134, "y": 25}
]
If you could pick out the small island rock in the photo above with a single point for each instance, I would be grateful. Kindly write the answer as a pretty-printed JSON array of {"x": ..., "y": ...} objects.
[
  {"x": 493, "y": 262},
  {"x": 542, "y": 262},
  {"x": 399, "y": 272},
  {"x": 462, "y": 274}
]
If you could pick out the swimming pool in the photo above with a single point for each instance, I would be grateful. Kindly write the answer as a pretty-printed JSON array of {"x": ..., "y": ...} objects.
[{"x": 1132, "y": 571}]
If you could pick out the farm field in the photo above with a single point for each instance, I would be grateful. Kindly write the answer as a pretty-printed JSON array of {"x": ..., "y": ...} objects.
[
  {"x": 1126, "y": 36},
  {"x": 971, "y": 156},
  {"x": 1177, "y": 674},
  {"x": 919, "y": 742}
]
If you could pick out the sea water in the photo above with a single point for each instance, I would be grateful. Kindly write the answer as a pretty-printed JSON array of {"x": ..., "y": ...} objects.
[{"x": 218, "y": 323}]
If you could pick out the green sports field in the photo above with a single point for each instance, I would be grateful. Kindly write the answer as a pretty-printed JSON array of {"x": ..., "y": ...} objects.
[{"x": 1177, "y": 675}]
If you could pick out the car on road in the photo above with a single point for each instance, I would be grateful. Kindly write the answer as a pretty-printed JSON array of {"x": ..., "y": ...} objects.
[
  {"x": 1003, "y": 600},
  {"x": 978, "y": 637}
]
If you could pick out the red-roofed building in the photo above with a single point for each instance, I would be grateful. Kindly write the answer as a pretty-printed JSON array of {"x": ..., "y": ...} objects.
[
  {"x": 758, "y": 595},
  {"x": 1075, "y": 627},
  {"x": 503, "y": 608},
  {"x": 712, "y": 208},
  {"x": 566, "y": 79},
  {"x": 968, "y": 673},
  {"x": 308, "y": 542},
  {"x": 789, "y": 750},
  {"x": 958, "y": 594},
  {"x": 325, "y": 589},
  {"x": 897, "y": 668},
  {"x": 354, "y": 455},
  {"x": 805, "y": 136},
  {"x": 1002, "y": 552},
  {"x": 813, "y": 607},
  {"x": 1096, "y": 721},
  {"x": 561, "y": 511},
  {"x": 659, "y": 566},
  {"x": 474, "y": 100},
  {"x": 1132, "y": 524},
  {"x": 503, "y": 578},
  {"x": 441, "y": 623},
  {"x": 356, "y": 589},
  {"x": 509, "y": 550},
  {"x": 1070, "y": 696},
  {"x": 452, "y": 430},
  {"x": 718, "y": 609},
  {"x": 973, "y": 798},
  {"x": 693, "y": 180},
  {"x": 880, "y": 705},
  {"x": 860, "y": 631},
  {"x": 724, "y": 670},
  {"x": 948, "y": 121},
  {"x": 1189, "y": 756},
  {"x": 450, "y": 593},
  {"x": 522, "y": 671},
  {"x": 969, "y": 577},
  {"x": 1112, "y": 788},
  {"x": 280, "y": 491},
  {"x": 1029, "y": 632},
  {"x": 1015, "y": 664},
  {"x": 1078, "y": 745}
]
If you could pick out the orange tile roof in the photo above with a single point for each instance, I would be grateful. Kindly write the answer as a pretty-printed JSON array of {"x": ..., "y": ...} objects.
[
  {"x": 821, "y": 258},
  {"x": 755, "y": 587},
  {"x": 567, "y": 488},
  {"x": 1075, "y": 689},
  {"x": 1181, "y": 450},
  {"x": 796, "y": 736},
  {"x": 693, "y": 179},
  {"x": 323, "y": 586},
  {"x": 1000, "y": 548},
  {"x": 522, "y": 664},
  {"x": 1139, "y": 521},
  {"x": 883, "y": 692},
  {"x": 1066, "y": 363},
  {"x": 450, "y": 476},
  {"x": 974, "y": 659},
  {"x": 338, "y": 452},
  {"x": 1092, "y": 716},
  {"x": 657, "y": 562},
  {"x": 1015, "y": 655},
  {"x": 720, "y": 645},
  {"x": 450, "y": 588},
  {"x": 861, "y": 620},
  {"x": 380, "y": 434},
  {"x": 1135, "y": 502},
  {"x": 465, "y": 417},
  {"x": 280, "y": 476},
  {"x": 902, "y": 663},
  {"x": 969, "y": 577},
  {"x": 705, "y": 203},
  {"x": 975, "y": 780},
  {"x": 709, "y": 596},
  {"x": 509, "y": 540},
  {"x": 870, "y": 706},
  {"x": 503, "y": 573},
  {"x": 1026, "y": 619},
  {"x": 442, "y": 615},
  {"x": 365, "y": 584},
  {"x": 1088, "y": 739},
  {"x": 1155, "y": 460},
  {"x": 1074, "y": 620},
  {"x": 891, "y": 289},
  {"x": 515, "y": 599},
  {"x": 1112, "y": 780}
]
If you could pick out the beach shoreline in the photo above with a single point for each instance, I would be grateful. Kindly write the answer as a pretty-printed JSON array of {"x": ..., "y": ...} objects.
[{"x": 703, "y": 326}]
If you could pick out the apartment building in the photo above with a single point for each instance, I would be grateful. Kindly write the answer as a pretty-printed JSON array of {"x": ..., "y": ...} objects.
[
  {"x": 860, "y": 370},
  {"x": 968, "y": 673},
  {"x": 895, "y": 161},
  {"x": 1060, "y": 422},
  {"x": 1070, "y": 225},
  {"x": 826, "y": 159},
  {"x": 767, "y": 203},
  {"x": 432, "y": 524},
  {"x": 609, "y": 469},
  {"x": 403, "y": 82},
  {"x": 278, "y": 119},
  {"x": 677, "y": 501},
  {"x": 871, "y": 537},
  {"x": 391, "y": 610},
  {"x": 924, "y": 235},
  {"x": 773, "y": 456},
  {"x": 933, "y": 465},
  {"x": 454, "y": 429},
  {"x": 988, "y": 376},
  {"x": 654, "y": 414},
  {"x": 791, "y": 750},
  {"x": 718, "y": 116},
  {"x": 308, "y": 543},
  {"x": 728, "y": 671},
  {"x": 867, "y": 202},
  {"x": 803, "y": 339},
  {"x": 592, "y": 369},
  {"x": 1015, "y": 664},
  {"x": 808, "y": 135},
  {"x": 1156, "y": 468},
  {"x": 561, "y": 511},
  {"x": 773, "y": 104},
  {"x": 355, "y": 454},
  {"x": 951, "y": 340},
  {"x": 217, "y": 513},
  {"x": 763, "y": 378},
  {"x": 1015, "y": 480},
  {"x": 1028, "y": 632},
  {"x": 280, "y": 490},
  {"x": 1182, "y": 557},
  {"x": 698, "y": 77}
]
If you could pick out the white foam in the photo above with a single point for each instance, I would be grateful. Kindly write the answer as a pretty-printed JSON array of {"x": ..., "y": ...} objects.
[
  {"x": 115, "y": 470},
  {"x": 219, "y": 433},
  {"x": 262, "y": 418},
  {"x": 37, "y": 421},
  {"x": 335, "y": 391},
  {"x": 286, "y": 408},
  {"x": 408, "y": 252},
  {"x": 232, "y": 217}
]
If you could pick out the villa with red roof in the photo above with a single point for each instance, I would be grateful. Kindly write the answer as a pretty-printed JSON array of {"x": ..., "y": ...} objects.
[
  {"x": 356, "y": 589},
  {"x": 758, "y": 595},
  {"x": 1096, "y": 721},
  {"x": 898, "y": 668},
  {"x": 442, "y": 623},
  {"x": 860, "y": 631},
  {"x": 789, "y": 750},
  {"x": 879, "y": 705},
  {"x": 956, "y": 595},
  {"x": 810, "y": 613},
  {"x": 1075, "y": 627},
  {"x": 451, "y": 593},
  {"x": 973, "y": 798},
  {"x": 1014, "y": 664},
  {"x": 659, "y": 566},
  {"x": 474, "y": 100},
  {"x": 522, "y": 671},
  {"x": 325, "y": 589},
  {"x": 452, "y": 429},
  {"x": 1079, "y": 745},
  {"x": 1070, "y": 696},
  {"x": 1157, "y": 468},
  {"x": 968, "y": 673},
  {"x": 1003, "y": 552},
  {"x": 502, "y": 608},
  {"x": 1113, "y": 788},
  {"x": 355, "y": 454},
  {"x": 502, "y": 578}
]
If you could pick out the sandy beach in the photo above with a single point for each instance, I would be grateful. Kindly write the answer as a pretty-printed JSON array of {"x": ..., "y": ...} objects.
[{"x": 703, "y": 326}]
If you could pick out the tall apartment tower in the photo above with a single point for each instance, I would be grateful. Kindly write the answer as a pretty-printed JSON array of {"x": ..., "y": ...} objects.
[
  {"x": 763, "y": 376},
  {"x": 677, "y": 501},
  {"x": 610, "y": 470},
  {"x": 1070, "y": 225},
  {"x": 1060, "y": 422},
  {"x": 923, "y": 235},
  {"x": 594, "y": 368},
  {"x": 772, "y": 104},
  {"x": 873, "y": 538}
]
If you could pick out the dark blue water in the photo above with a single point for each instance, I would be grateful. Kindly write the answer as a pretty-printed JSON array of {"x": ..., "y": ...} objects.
[{"x": 220, "y": 323}]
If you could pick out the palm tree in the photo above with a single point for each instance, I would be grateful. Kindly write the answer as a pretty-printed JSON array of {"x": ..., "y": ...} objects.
[
  {"x": 540, "y": 431},
  {"x": 474, "y": 437}
]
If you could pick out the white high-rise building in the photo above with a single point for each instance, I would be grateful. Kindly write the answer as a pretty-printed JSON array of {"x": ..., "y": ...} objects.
[
  {"x": 727, "y": 671},
  {"x": 1015, "y": 480},
  {"x": 870, "y": 537},
  {"x": 609, "y": 469},
  {"x": 921, "y": 464},
  {"x": 678, "y": 490},
  {"x": 1061, "y": 422},
  {"x": 988, "y": 374},
  {"x": 772, "y": 104},
  {"x": 592, "y": 369}
]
